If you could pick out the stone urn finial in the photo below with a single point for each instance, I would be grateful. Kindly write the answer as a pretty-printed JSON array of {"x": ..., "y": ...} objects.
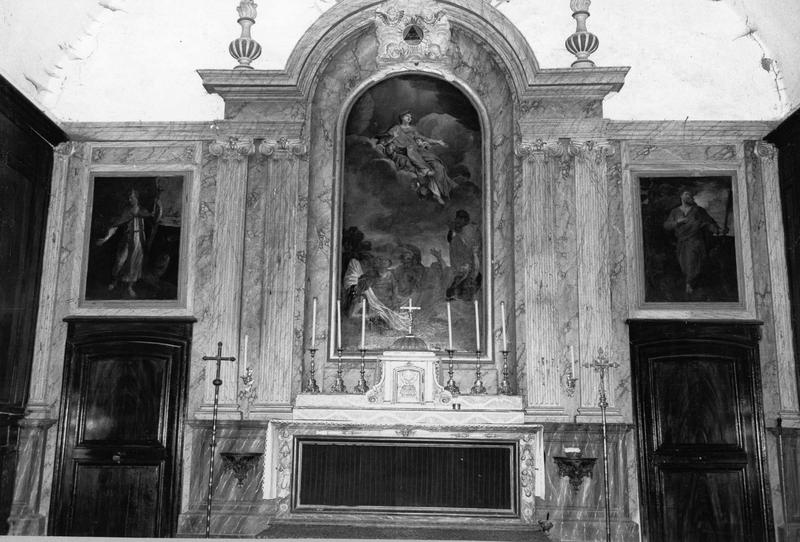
[
  {"x": 582, "y": 43},
  {"x": 245, "y": 49}
]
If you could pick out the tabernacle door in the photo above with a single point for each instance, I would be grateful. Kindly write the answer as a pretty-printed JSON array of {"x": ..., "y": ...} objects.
[{"x": 700, "y": 432}]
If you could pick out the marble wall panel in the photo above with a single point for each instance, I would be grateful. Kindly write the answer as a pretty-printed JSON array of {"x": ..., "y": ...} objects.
[
  {"x": 617, "y": 267},
  {"x": 28, "y": 511},
  {"x": 236, "y": 511},
  {"x": 580, "y": 515},
  {"x": 204, "y": 303},
  {"x": 763, "y": 288},
  {"x": 146, "y": 154}
]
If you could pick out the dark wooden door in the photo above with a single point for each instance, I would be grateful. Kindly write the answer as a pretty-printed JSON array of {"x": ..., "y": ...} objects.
[
  {"x": 121, "y": 429},
  {"x": 700, "y": 432}
]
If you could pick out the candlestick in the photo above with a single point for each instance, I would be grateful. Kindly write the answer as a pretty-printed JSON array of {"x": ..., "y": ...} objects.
[
  {"x": 363, "y": 320},
  {"x": 503, "y": 322},
  {"x": 449, "y": 328},
  {"x": 338, "y": 324},
  {"x": 572, "y": 358},
  {"x": 451, "y": 386},
  {"x": 477, "y": 329},
  {"x": 314, "y": 323}
]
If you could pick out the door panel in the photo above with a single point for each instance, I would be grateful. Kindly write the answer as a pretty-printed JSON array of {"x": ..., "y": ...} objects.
[
  {"x": 121, "y": 429},
  {"x": 700, "y": 432}
]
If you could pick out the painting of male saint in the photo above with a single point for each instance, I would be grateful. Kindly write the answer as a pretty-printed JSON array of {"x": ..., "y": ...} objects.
[
  {"x": 688, "y": 237},
  {"x": 412, "y": 214},
  {"x": 134, "y": 239}
]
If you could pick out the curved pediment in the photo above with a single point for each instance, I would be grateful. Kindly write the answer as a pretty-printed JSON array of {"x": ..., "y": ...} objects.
[{"x": 411, "y": 33}]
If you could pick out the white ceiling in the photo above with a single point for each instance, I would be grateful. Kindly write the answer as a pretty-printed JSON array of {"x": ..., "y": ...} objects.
[{"x": 135, "y": 60}]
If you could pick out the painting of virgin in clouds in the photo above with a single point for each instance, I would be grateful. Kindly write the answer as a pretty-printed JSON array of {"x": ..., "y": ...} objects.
[{"x": 412, "y": 214}]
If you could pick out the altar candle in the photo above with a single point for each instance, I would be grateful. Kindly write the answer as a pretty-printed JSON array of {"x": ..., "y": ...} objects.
[
  {"x": 572, "y": 359},
  {"x": 449, "y": 328},
  {"x": 314, "y": 322},
  {"x": 503, "y": 322},
  {"x": 338, "y": 324},
  {"x": 363, "y": 320},
  {"x": 477, "y": 329}
]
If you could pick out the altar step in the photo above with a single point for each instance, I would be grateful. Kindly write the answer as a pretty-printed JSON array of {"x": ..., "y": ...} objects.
[{"x": 292, "y": 529}]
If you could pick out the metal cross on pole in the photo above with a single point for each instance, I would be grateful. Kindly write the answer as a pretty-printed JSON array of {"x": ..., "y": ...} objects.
[
  {"x": 602, "y": 365},
  {"x": 217, "y": 383},
  {"x": 410, "y": 308}
]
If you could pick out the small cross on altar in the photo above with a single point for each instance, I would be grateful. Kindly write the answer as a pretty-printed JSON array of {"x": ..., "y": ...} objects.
[{"x": 410, "y": 308}]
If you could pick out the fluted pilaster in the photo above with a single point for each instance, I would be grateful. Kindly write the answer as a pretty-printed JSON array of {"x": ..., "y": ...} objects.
[
  {"x": 279, "y": 301},
  {"x": 541, "y": 170},
  {"x": 228, "y": 258},
  {"x": 594, "y": 285},
  {"x": 767, "y": 156},
  {"x": 39, "y": 405}
]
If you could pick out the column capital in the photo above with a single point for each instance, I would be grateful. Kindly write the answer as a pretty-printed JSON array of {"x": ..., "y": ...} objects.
[
  {"x": 539, "y": 149},
  {"x": 765, "y": 150},
  {"x": 66, "y": 149},
  {"x": 234, "y": 148},
  {"x": 589, "y": 148},
  {"x": 283, "y": 148}
]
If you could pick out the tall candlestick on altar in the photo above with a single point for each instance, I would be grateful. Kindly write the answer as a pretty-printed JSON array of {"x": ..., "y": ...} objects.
[
  {"x": 338, "y": 324},
  {"x": 503, "y": 322},
  {"x": 363, "y": 320},
  {"x": 449, "y": 328},
  {"x": 572, "y": 358},
  {"x": 314, "y": 322},
  {"x": 477, "y": 329}
]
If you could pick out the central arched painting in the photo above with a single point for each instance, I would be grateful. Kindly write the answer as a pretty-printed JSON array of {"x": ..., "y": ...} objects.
[{"x": 412, "y": 216}]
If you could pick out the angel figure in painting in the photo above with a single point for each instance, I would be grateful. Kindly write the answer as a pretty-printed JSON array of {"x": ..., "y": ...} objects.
[
  {"x": 132, "y": 244},
  {"x": 411, "y": 152}
]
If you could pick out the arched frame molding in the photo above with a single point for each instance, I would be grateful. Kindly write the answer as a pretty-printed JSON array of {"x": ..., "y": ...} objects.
[
  {"x": 486, "y": 186},
  {"x": 488, "y": 88}
]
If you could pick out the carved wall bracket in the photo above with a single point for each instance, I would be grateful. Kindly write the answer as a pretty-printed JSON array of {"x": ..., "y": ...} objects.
[
  {"x": 575, "y": 468},
  {"x": 239, "y": 463}
]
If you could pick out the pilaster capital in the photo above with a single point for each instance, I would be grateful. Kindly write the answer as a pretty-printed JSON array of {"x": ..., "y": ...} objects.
[
  {"x": 283, "y": 148},
  {"x": 765, "y": 151},
  {"x": 66, "y": 149},
  {"x": 590, "y": 149},
  {"x": 234, "y": 148},
  {"x": 539, "y": 149}
]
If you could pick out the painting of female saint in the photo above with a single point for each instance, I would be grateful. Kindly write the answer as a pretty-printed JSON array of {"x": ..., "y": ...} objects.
[
  {"x": 689, "y": 239},
  {"x": 412, "y": 214},
  {"x": 134, "y": 239}
]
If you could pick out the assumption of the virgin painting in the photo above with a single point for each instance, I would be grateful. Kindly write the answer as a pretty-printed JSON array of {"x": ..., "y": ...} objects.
[{"x": 412, "y": 216}]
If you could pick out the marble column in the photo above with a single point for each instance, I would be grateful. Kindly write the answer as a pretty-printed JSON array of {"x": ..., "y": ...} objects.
[
  {"x": 541, "y": 170},
  {"x": 595, "y": 327},
  {"x": 229, "y": 220},
  {"x": 279, "y": 297},
  {"x": 766, "y": 154},
  {"x": 39, "y": 405}
]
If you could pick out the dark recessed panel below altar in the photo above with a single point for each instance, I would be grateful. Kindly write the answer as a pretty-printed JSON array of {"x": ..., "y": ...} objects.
[{"x": 473, "y": 478}]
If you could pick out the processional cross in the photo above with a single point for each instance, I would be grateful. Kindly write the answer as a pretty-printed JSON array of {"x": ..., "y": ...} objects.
[
  {"x": 410, "y": 308},
  {"x": 217, "y": 383}
]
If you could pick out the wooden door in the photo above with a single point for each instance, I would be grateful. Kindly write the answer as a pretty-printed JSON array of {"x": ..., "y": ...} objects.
[
  {"x": 120, "y": 435},
  {"x": 700, "y": 432}
]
